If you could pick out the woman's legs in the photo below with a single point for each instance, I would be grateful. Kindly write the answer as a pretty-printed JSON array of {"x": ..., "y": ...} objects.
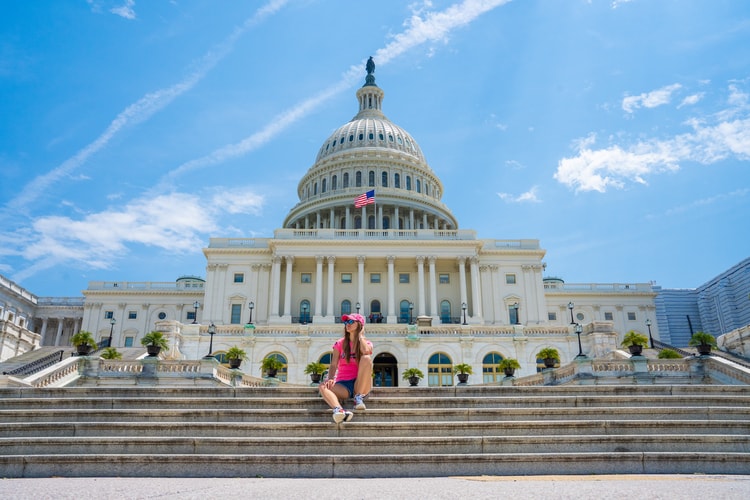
[
  {"x": 363, "y": 384},
  {"x": 334, "y": 395}
]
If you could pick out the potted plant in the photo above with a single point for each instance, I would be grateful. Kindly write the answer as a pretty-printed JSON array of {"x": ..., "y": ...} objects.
[
  {"x": 509, "y": 366},
  {"x": 111, "y": 353},
  {"x": 703, "y": 342},
  {"x": 155, "y": 341},
  {"x": 413, "y": 375},
  {"x": 635, "y": 342},
  {"x": 463, "y": 371},
  {"x": 83, "y": 341},
  {"x": 550, "y": 355},
  {"x": 316, "y": 371},
  {"x": 669, "y": 354},
  {"x": 271, "y": 366},
  {"x": 235, "y": 355}
]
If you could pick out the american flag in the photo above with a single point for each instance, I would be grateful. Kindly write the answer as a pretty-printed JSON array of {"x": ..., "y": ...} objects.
[{"x": 364, "y": 199}]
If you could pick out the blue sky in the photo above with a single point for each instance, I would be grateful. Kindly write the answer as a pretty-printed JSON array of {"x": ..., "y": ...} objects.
[{"x": 615, "y": 132}]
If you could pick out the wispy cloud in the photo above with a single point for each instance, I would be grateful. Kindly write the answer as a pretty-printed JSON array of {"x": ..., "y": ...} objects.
[
  {"x": 529, "y": 196},
  {"x": 651, "y": 99},
  {"x": 704, "y": 202},
  {"x": 141, "y": 110},
  {"x": 423, "y": 26},
  {"x": 723, "y": 135},
  {"x": 125, "y": 10},
  {"x": 175, "y": 222}
]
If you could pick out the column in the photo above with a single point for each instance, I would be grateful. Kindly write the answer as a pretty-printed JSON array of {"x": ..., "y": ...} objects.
[
  {"x": 288, "y": 288},
  {"x": 433, "y": 292},
  {"x": 361, "y": 282},
  {"x": 495, "y": 301},
  {"x": 43, "y": 333},
  {"x": 317, "y": 219},
  {"x": 425, "y": 224},
  {"x": 318, "y": 288},
  {"x": 411, "y": 218},
  {"x": 379, "y": 220},
  {"x": 275, "y": 286},
  {"x": 392, "y": 317},
  {"x": 348, "y": 220},
  {"x": 394, "y": 224},
  {"x": 420, "y": 284},
  {"x": 476, "y": 290},
  {"x": 332, "y": 219},
  {"x": 462, "y": 282},
  {"x": 59, "y": 330},
  {"x": 329, "y": 312}
]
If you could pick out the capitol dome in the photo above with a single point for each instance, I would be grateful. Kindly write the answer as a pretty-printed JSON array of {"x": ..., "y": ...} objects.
[{"x": 370, "y": 154}]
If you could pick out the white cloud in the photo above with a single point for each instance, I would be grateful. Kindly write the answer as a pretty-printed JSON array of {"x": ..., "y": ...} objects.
[
  {"x": 126, "y": 10},
  {"x": 528, "y": 196},
  {"x": 692, "y": 99},
  {"x": 176, "y": 223},
  {"x": 712, "y": 139},
  {"x": 651, "y": 99}
]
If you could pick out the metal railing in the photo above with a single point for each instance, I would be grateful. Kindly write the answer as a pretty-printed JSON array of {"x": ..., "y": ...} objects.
[{"x": 37, "y": 365}]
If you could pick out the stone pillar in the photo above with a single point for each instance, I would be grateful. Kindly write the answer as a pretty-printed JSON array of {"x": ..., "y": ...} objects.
[
  {"x": 420, "y": 284},
  {"x": 462, "y": 282},
  {"x": 433, "y": 292},
  {"x": 288, "y": 288},
  {"x": 476, "y": 291},
  {"x": 44, "y": 330},
  {"x": 361, "y": 281},
  {"x": 392, "y": 317},
  {"x": 275, "y": 286},
  {"x": 60, "y": 322},
  {"x": 329, "y": 313},
  {"x": 318, "y": 289}
]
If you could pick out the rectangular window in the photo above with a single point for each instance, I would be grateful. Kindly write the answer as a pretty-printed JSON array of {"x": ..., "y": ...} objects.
[
  {"x": 403, "y": 278},
  {"x": 128, "y": 341},
  {"x": 445, "y": 279},
  {"x": 191, "y": 315},
  {"x": 552, "y": 316},
  {"x": 109, "y": 314},
  {"x": 608, "y": 316},
  {"x": 306, "y": 278},
  {"x": 510, "y": 279},
  {"x": 631, "y": 316},
  {"x": 239, "y": 278},
  {"x": 236, "y": 314},
  {"x": 132, "y": 315},
  {"x": 374, "y": 277},
  {"x": 346, "y": 277}
]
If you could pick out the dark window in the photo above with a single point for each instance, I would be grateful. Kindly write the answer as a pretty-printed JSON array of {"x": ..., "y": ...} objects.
[
  {"x": 371, "y": 178},
  {"x": 358, "y": 179},
  {"x": 384, "y": 179},
  {"x": 396, "y": 180},
  {"x": 239, "y": 278}
]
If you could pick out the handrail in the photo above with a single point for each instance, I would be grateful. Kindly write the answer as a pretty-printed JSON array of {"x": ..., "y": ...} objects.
[
  {"x": 661, "y": 345},
  {"x": 37, "y": 365}
]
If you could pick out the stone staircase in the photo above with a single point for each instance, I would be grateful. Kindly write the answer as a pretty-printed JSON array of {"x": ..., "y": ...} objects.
[{"x": 405, "y": 432}]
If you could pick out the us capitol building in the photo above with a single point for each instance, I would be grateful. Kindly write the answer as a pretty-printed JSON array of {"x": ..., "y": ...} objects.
[{"x": 434, "y": 293}]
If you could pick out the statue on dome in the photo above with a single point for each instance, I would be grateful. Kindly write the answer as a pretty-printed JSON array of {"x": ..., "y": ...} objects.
[{"x": 370, "y": 66}]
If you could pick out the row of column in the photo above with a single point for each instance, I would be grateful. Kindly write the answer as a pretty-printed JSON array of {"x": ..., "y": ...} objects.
[
  {"x": 59, "y": 332},
  {"x": 330, "y": 222},
  {"x": 475, "y": 308}
]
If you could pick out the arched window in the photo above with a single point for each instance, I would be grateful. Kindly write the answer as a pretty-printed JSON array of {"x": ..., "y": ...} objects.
[
  {"x": 404, "y": 314},
  {"x": 358, "y": 222},
  {"x": 343, "y": 223},
  {"x": 445, "y": 312},
  {"x": 358, "y": 179},
  {"x": 440, "y": 370},
  {"x": 408, "y": 182},
  {"x": 304, "y": 311},
  {"x": 370, "y": 222},
  {"x": 426, "y": 189},
  {"x": 371, "y": 179},
  {"x": 419, "y": 186},
  {"x": 386, "y": 222},
  {"x": 490, "y": 372},
  {"x": 323, "y": 186},
  {"x": 376, "y": 315},
  {"x": 334, "y": 182},
  {"x": 346, "y": 180},
  {"x": 384, "y": 179},
  {"x": 346, "y": 307},
  {"x": 315, "y": 189},
  {"x": 396, "y": 180},
  {"x": 282, "y": 373}
]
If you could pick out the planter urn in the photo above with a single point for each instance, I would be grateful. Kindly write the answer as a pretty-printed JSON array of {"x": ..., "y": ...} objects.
[
  {"x": 235, "y": 363},
  {"x": 549, "y": 362},
  {"x": 413, "y": 381},
  {"x": 463, "y": 377},
  {"x": 635, "y": 349},
  {"x": 703, "y": 349},
  {"x": 509, "y": 372},
  {"x": 83, "y": 349},
  {"x": 153, "y": 350},
  {"x": 315, "y": 377}
]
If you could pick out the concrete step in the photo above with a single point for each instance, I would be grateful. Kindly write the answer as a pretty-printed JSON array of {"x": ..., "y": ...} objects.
[
  {"x": 318, "y": 413},
  {"x": 372, "y": 429},
  {"x": 366, "y": 465},
  {"x": 376, "y": 445}
]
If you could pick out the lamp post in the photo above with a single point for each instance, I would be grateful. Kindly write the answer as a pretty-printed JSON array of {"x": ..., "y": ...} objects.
[
  {"x": 112, "y": 322},
  {"x": 304, "y": 314},
  {"x": 411, "y": 313},
  {"x": 571, "y": 306},
  {"x": 358, "y": 305},
  {"x": 211, "y": 332},
  {"x": 515, "y": 307},
  {"x": 463, "y": 306},
  {"x": 196, "y": 305},
  {"x": 251, "y": 305},
  {"x": 579, "y": 330},
  {"x": 650, "y": 338}
]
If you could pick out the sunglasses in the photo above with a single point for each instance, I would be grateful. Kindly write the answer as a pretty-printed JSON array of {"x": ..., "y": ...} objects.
[{"x": 349, "y": 321}]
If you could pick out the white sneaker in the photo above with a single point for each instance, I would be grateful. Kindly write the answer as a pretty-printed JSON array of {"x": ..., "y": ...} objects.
[
  {"x": 359, "y": 403},
  {"x": 339, "y": 415}
]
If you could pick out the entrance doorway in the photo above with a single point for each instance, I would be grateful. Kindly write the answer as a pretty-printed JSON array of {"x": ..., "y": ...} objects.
[{"x": 385, "y": 369}]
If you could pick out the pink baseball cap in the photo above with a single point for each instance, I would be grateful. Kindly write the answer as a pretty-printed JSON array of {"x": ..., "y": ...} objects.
[{"x": 356, "y": 317}]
